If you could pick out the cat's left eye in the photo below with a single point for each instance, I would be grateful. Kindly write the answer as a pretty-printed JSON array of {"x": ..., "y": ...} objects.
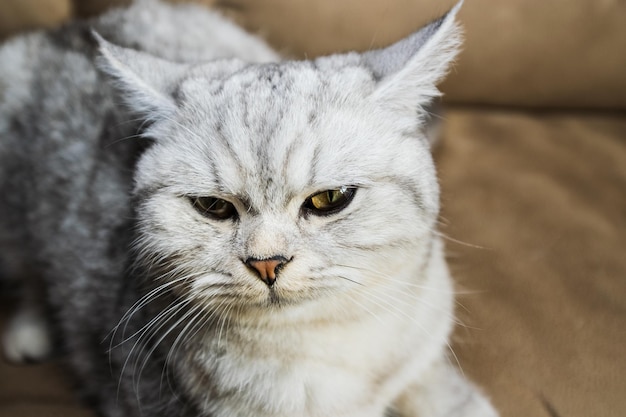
[
  {"x": 329, "y": 201},
  {"x": 214, "y": 207}
]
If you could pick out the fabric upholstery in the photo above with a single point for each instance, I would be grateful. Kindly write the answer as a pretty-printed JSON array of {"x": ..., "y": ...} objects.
[
  {"x": 20, "y": 15},
  {"x": 535, "y": 208}
]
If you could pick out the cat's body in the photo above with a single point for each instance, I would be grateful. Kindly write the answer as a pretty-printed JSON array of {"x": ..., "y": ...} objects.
[{"x": 240, "y": 296}]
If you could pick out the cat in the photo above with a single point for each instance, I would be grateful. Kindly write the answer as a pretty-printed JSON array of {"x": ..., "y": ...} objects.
[{"x": 244, "y": 236}]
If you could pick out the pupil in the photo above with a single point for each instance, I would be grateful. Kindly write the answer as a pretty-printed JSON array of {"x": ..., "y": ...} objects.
[{"x": 218, "y": 205}]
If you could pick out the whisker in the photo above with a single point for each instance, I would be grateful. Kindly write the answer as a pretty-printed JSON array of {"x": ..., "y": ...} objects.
[
  {"x": 421, "y": 300},
  {"x": 170, "y": 311},
  {"x": 365, "y": 308},
  {"x": 223, "y": 319},
  {"x": 391, "y": 278},
  {"x": 400, "y": 285},
  {"x": 138, "y": 305},
  {"x": 158, "y": 342},
  {"x": 460, "y": 242},
  {"x": 351, "y": 280},
  {"x": 197, "y": 312},
  {"x": 394, "y": 307}
]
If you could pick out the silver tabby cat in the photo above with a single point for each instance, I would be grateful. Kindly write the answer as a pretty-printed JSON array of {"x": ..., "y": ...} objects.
[{"x": 245, "y": 237}]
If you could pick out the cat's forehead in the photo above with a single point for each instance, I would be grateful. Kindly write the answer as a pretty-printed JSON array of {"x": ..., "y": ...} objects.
[
  {"x": 271, "y": 131},
  {"x": 278, "y": 84}
]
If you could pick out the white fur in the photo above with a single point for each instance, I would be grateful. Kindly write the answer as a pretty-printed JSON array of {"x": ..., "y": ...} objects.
[{"x": 365, "y": 302}]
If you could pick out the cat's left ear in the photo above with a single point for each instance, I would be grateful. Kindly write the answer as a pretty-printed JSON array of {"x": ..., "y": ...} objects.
[
  {"x": 409, "y": 70},
  {"x": 147, "y": 82}
]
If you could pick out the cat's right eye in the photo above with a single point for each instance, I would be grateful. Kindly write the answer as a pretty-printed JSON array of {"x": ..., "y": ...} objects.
[{"x": 215, "y": 208}]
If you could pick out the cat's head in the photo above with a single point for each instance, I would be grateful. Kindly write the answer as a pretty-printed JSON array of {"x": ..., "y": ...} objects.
[{"x": 276, "y": 184}]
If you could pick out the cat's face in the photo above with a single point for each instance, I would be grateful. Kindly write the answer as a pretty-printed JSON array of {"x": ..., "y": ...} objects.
[
  {"x": 291, "y": 164},
  {"x": 279, "y": 184}
]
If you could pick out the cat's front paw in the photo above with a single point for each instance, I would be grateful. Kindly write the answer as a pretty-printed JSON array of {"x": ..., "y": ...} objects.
[{"x": 26, "y": 338}]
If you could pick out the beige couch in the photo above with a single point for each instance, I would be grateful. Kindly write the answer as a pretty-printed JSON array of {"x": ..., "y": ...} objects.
[{"x": 533, "y": 170}]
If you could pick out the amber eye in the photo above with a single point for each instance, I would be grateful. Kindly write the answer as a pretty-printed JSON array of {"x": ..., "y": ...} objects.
[
  {"x": 215, "y": 208},
  {"x": 329, "y": 201}
]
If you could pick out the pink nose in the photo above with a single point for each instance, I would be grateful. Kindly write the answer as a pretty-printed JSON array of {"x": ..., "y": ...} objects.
[{"x": 267, "y": 269}]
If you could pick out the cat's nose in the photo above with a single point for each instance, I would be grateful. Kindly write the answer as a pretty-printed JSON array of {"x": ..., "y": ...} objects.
[{"x": 267, "y": 269}]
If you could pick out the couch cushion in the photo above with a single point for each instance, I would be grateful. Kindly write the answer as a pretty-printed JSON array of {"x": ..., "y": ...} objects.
[
  {"x": 20, "y": 15},
  {"x": 539, "y": 202},
  {"x": 558, "y": 54}
]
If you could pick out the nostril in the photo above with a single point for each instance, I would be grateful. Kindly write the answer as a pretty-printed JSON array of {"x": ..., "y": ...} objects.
[{"x": 268, "y": 268}]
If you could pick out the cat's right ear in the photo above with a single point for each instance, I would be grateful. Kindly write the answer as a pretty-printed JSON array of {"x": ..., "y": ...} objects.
[{"x": 147, "y": 82}]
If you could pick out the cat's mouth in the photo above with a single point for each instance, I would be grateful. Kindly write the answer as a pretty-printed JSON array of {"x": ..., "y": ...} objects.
[
  {"x": 241, "y": 295},
  {"x": 273, "y": 299},
  {"x": 277, "y": 297}
]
